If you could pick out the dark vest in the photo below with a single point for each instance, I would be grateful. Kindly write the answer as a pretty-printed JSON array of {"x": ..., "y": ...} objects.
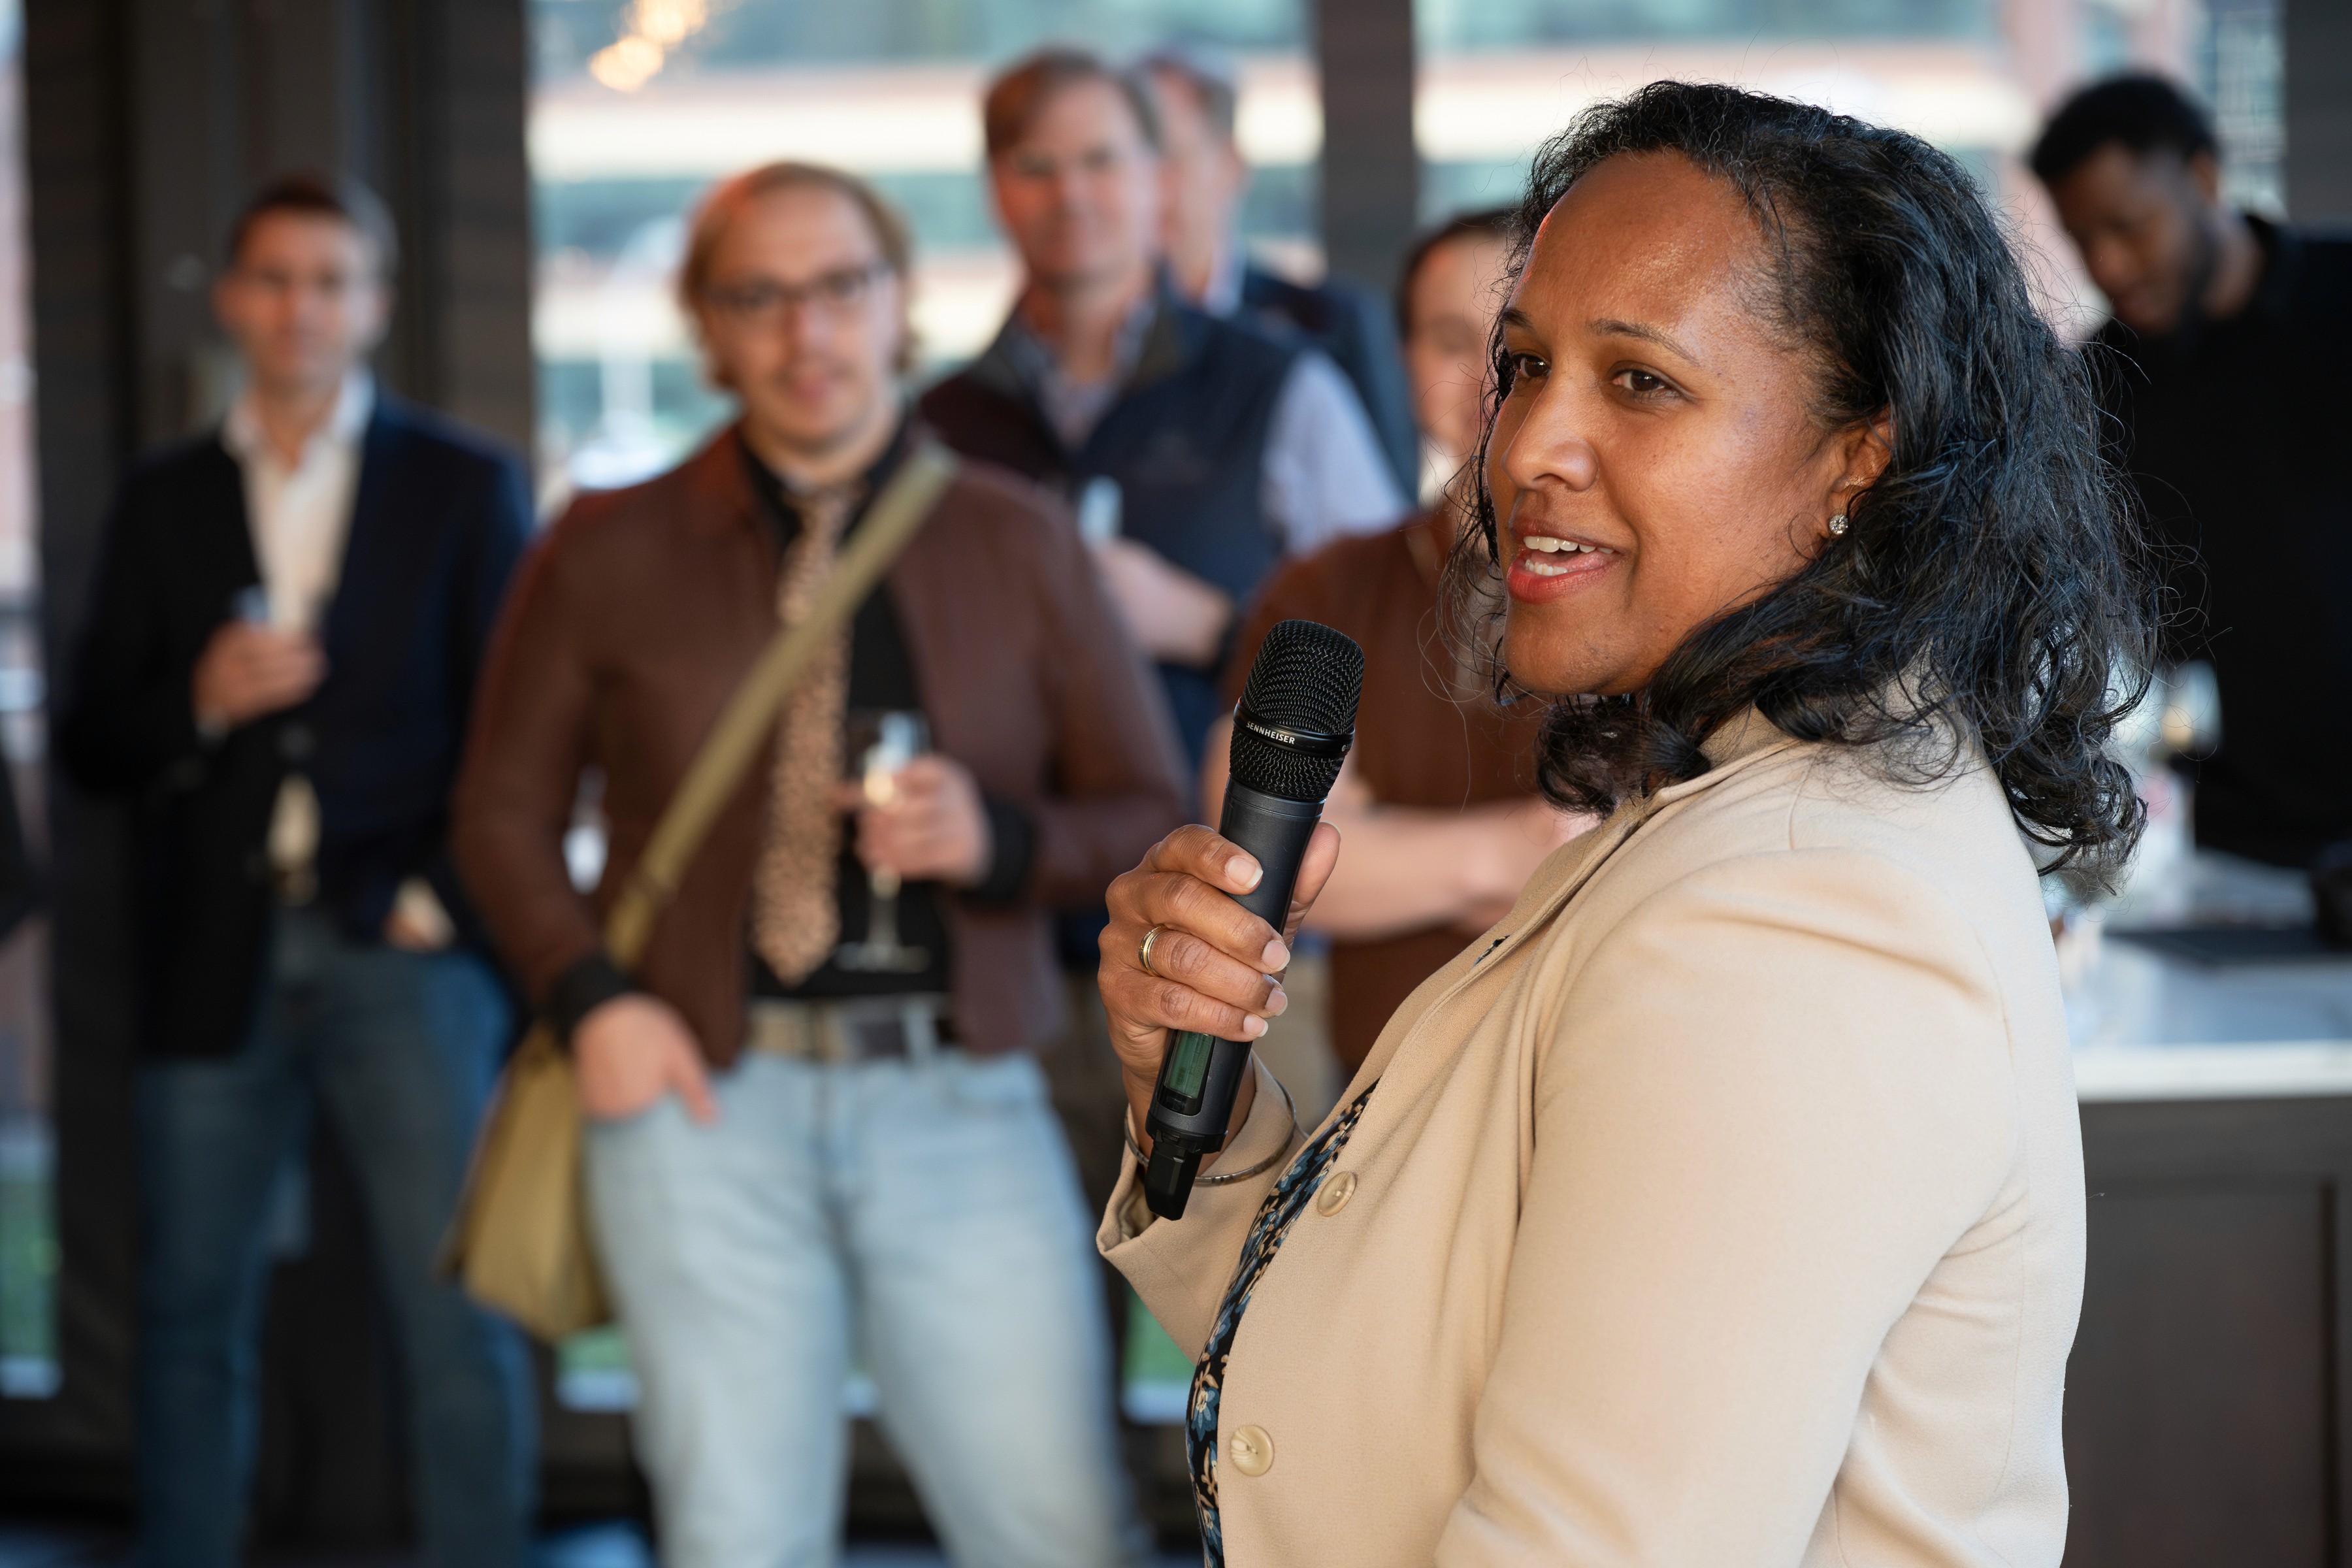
[{"x": 1185, "y": 442}]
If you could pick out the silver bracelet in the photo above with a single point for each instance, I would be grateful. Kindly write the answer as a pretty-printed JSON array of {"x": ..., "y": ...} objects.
[{"x": 1223, "y": 1178}]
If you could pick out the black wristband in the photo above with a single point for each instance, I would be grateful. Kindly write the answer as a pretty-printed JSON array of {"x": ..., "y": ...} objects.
[
  {"x": 580, "y": 990},
  {"x": 1013, "y": 845}
]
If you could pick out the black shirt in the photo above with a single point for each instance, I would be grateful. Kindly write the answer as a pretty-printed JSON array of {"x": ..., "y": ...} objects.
[
  {"x": 2235, "y": 433},
  {"x": 882, "y": 680}
]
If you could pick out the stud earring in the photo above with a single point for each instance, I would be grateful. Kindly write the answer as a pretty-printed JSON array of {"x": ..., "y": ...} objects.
[{"x": 1837, "y": 524}]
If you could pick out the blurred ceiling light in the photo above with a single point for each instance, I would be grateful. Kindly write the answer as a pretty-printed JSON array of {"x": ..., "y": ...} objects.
[
  {"x": 670, "y": 23},
  {"x": 656, "y": 27},
  {"x": 627, "y": 64}
]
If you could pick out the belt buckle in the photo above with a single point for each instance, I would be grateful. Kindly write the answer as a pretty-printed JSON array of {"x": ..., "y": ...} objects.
[
  {"x": 864, "y": 1038},
  {"x": 881, "y": 1031}
]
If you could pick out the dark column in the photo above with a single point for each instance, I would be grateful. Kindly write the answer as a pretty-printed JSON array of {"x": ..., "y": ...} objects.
[
  {"x": 480, "y": 193},
  {"x": 185, "y": 134},
  {"x": 455, "y": 167},
  {"x": 1371, "y": 168},
  {"x": 71, "y": 1448},
  {"x": 2318, "y": 48}
]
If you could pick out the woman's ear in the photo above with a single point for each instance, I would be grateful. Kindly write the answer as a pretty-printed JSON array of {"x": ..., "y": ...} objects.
[{"x": 1869, "y": 448}]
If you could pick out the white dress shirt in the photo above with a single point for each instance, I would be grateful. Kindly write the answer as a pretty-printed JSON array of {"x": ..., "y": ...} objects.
[{"x": 300, "y": 514}]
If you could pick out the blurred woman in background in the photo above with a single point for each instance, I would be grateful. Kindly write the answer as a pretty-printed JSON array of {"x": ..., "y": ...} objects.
[{"x": 1438, "y": 801}]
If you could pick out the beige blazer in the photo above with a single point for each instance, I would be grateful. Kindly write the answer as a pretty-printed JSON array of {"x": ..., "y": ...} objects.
[{"x": 1720, "y": 1207}]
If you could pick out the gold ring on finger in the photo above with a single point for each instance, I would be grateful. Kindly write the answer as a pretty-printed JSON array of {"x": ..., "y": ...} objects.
[{"x": 1143, "y": 951}]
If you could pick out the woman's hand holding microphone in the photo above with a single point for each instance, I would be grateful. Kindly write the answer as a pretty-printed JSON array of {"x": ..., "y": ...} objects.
[{"x": 1212, "y": 962}]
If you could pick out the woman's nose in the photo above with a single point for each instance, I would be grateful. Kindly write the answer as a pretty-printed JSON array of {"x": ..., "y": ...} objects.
[{"x": 1550, "y": 446}]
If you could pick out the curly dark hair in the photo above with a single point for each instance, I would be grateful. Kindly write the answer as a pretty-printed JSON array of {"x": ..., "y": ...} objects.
[{"x": 1990, "y": 592}]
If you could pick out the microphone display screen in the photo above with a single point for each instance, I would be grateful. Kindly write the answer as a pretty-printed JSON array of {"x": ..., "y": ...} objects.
[{"x": 1188, "y": 1068}]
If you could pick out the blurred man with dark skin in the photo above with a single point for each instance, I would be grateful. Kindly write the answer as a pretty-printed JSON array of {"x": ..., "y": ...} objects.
[
  {"x": 1208, "y": 181},
  {"x": 278, "y": 669},
  {"x": 2228, "y": 344}
]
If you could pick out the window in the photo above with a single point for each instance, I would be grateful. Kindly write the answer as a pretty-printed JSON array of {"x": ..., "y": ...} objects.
[
  {"x": 2242, "y": 69},
  {"x": 1974, "y": 76},
  {"x": 1497, "y": 79},
  {"x": 29, "y": 1246},
  {"x": 637, "y": 107}
]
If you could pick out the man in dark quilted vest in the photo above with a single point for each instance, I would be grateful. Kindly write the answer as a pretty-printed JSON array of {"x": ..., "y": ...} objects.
[{"x": 1198, "y": 451}]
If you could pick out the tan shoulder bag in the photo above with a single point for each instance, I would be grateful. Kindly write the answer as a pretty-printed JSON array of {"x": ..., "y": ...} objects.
[{"x": 520, "y": 1239}]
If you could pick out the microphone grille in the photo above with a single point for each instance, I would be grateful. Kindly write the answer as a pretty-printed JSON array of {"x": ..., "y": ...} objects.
[{"x": 1306, "y": 678}]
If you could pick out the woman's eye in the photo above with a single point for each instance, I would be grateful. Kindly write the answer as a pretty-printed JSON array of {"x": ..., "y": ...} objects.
[
  {"x": 1517, "y": 367},
  {"x": 1640, "y": 382}
]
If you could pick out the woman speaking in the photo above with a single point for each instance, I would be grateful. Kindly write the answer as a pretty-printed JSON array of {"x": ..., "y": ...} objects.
[{"x": 1722, "y": 1205}]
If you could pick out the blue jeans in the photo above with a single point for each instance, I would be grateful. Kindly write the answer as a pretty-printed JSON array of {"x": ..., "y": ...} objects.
[
  {"x": 927, "y": 1213},
  {"x": 400, "y": 1050}
]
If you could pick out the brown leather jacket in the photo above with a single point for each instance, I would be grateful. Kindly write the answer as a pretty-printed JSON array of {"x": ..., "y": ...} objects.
[{"x": 635, "y": 618}]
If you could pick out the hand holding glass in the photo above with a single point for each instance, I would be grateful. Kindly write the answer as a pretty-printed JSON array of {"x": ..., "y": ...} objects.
[{"x": 889, "y": 741}]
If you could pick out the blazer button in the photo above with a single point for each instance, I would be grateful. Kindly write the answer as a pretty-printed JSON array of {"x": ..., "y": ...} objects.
[
  {"x": 1336, "y": 1194},
  {"x": 1253, "y": 1451}
]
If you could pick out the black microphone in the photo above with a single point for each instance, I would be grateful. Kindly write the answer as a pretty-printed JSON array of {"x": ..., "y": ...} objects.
[{"x": 1291, "y": 731}]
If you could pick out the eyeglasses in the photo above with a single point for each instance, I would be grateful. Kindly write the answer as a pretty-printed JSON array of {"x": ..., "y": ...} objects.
[{"x": 765, "y": 302}]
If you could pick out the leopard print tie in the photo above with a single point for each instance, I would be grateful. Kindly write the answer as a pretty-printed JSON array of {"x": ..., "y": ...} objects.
[{"x": 795, "y": 907}]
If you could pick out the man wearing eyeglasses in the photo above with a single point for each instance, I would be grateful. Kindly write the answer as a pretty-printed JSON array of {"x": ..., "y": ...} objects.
[
  {"x": 276, "y": 672},
  {"x": 810, "y": 1127}
]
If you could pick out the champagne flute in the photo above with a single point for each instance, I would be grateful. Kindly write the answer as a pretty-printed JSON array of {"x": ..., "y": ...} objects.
[{"x": 880, "y": 744}]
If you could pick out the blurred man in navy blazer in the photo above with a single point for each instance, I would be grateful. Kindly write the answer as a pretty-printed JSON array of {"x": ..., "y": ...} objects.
[{"x": 277, "y": 668}]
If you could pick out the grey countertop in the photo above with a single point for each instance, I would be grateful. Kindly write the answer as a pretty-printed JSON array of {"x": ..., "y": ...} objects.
[{"x": 2151, "y": 1026}]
